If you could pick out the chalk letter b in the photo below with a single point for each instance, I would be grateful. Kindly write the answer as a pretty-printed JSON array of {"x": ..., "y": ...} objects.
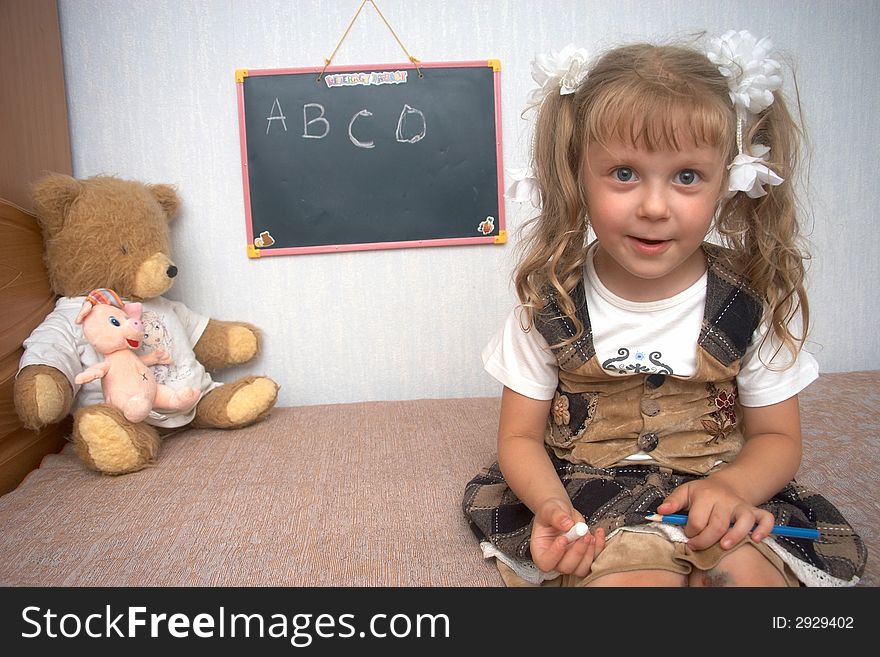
[{"x": 320, "y": 117}]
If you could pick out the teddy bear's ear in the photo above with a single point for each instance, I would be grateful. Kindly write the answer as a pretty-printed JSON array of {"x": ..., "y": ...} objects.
[
  {"x": 53, "y": 196},
  {"x": 168, "y": 199}
]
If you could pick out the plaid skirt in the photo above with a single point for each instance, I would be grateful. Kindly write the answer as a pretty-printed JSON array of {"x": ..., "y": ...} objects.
[{"x": 622, "y": 496}]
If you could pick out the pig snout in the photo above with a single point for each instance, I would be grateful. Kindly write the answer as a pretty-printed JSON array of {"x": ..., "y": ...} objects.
[{"x": 133, "y": 331}]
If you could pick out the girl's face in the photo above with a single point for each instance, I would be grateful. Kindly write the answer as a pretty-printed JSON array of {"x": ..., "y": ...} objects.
[{"x": 650, "y": 211}]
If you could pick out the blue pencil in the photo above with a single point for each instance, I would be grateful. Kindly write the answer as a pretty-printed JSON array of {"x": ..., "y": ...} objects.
[{"x": 779, "y": 530}]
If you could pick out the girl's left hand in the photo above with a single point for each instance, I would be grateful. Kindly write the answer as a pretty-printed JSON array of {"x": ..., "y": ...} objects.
[{"x": 717, "y": 514}]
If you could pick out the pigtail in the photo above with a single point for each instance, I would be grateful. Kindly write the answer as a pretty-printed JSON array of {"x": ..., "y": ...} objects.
[
  {"x": 764, "y": 232},
  {"x": 553, "y": 252}
]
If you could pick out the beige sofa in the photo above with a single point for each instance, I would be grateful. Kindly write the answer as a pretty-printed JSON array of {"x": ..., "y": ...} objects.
[{"x": 364, "y": 494}]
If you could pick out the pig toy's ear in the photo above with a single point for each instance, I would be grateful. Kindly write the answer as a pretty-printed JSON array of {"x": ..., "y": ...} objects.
[
  {"x": 85, "y": 310},
  {"x": 133, "y": 310}
]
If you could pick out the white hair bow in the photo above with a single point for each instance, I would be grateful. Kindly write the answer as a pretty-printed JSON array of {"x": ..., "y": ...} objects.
[
  {"x": 524, "y": 187},
  {"x": 752, "y": 77},
  {"x": 559, "y": 72}
]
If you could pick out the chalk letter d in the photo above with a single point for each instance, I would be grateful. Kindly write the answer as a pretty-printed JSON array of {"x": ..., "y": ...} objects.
[{"x": 411, "y": 126}]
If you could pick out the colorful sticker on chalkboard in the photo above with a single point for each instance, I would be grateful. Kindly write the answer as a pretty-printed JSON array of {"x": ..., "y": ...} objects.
[
  {"x": 264, "y": 240},
  {"x": 486, "y": 226},
  {"x": 365, "y": 79}
]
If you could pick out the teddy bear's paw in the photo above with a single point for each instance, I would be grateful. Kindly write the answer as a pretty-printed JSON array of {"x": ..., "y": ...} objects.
[
  {"x": 237, "y": 404},
  {"x": 108, "y": 443},
  {"x": 243, "y": 344},
  {"x": 52, "y": 403},
  {"x": 252, "y": 402},
  {"x": 224, "y": 344},
  {"x": 42, "y": 396}
]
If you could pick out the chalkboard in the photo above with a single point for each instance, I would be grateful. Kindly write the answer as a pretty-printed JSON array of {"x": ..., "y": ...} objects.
[{"x": 371, "y": 157}]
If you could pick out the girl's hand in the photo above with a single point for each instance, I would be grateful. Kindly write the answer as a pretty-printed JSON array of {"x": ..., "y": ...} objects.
[
  {"x": 552, "y": 551},
  {"x": 717, "y": 514}
]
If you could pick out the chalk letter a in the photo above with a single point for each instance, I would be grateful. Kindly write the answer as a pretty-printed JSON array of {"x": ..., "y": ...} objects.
[{"x": 276, "y": 117}]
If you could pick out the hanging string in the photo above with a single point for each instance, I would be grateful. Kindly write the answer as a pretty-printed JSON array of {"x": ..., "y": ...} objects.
[{"x": 348, "y": 29}]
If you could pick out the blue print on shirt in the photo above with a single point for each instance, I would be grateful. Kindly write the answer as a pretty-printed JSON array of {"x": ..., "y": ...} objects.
[{"x": 624, "y": 364}]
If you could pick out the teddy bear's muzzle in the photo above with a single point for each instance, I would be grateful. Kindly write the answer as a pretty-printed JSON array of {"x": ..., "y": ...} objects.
[{"x": 154, "y": 277}]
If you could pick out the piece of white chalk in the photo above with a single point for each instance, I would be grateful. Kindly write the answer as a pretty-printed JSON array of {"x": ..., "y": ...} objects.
[{"x": 579, "y": 529}]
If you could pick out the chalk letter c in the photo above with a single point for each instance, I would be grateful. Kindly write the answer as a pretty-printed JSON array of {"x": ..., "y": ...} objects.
[{"x": 354, "y": 140}]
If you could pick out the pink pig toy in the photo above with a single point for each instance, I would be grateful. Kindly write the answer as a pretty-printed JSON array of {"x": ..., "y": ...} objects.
[{"x": 115, "y": 330}]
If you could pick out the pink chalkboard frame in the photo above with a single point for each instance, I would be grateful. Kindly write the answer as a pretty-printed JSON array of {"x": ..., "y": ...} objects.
[{"x": 254, "y": 251}]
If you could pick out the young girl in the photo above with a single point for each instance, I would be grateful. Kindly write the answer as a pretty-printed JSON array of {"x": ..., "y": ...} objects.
[{"x": 648, "y": 370}]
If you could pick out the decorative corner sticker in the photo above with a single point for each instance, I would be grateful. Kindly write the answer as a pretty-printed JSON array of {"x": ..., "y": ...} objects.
[
  {"x": 486, "y": 226},
  {"x": 265, "y": 239}
]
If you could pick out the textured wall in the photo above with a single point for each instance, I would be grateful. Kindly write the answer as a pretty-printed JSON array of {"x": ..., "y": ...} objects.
[{"x": 152, "y": 96}]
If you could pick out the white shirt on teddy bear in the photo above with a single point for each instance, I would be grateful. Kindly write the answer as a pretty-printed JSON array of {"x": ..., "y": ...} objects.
[{"x": 60, "y": 343}]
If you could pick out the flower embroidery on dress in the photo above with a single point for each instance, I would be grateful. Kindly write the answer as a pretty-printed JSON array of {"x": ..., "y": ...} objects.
[
  {"x": 560, "y": 410},
  {"x": 723, "y": 420},
  {"x": 570, "y": 415}
]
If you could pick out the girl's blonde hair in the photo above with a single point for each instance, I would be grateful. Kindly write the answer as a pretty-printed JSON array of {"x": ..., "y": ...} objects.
[{"x": 662, "y": 97}]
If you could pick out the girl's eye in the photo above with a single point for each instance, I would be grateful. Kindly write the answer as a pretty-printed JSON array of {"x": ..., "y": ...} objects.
[
  {"x": 624, "y": 174},
  {"x": 687, "y": 177},
  {"x": 114, "y": 321}
]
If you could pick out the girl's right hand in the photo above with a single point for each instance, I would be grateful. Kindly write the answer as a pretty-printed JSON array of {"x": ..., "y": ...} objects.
[{"x": 552, "y": 551}]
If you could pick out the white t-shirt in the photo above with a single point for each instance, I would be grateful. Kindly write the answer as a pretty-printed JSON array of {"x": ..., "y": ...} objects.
[
  {"x": 60, "y": 343},
  {"x": 635, "y": 337}
]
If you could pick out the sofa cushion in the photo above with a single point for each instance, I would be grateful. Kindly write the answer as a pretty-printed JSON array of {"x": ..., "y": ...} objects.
[{"x": 364, "y": 494}]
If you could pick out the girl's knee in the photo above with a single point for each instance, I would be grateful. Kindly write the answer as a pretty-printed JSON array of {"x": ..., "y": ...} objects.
[{"x": 745, "y": 566}]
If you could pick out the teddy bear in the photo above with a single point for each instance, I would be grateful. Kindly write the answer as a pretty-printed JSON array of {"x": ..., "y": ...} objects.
[{"x": 107, "y": 233}]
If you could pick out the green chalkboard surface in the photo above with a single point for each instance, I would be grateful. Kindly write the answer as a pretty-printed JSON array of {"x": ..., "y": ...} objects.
[{"x": 371, "y": 157}]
